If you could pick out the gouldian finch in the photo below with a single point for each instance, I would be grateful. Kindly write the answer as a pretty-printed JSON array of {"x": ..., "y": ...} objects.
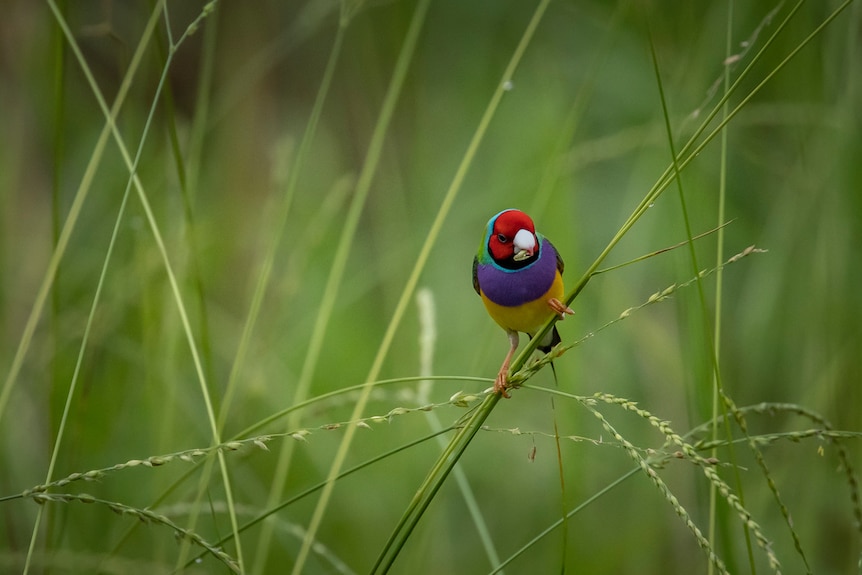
[{"x": 518, "y": 274}]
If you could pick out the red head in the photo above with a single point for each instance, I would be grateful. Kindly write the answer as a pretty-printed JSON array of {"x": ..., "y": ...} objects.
[{"x": 512, "y": 236}]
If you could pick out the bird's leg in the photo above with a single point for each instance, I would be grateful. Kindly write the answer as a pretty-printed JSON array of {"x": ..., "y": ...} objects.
[
  {"x": 502, "y": 381},
  {"x": 560, "y": 308}
]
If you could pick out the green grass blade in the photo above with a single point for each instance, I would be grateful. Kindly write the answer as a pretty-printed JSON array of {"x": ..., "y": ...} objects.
[
  {"x": 362, "y": 187},
  {"x": 547, "y": 531},
  {"x": 62, "y": 241},
  {"x": 717, "y": 406},
  {"x": 427, "y": 341},
  {"x": 160, "y": 244},
  {"x": 433, "y": 482},
  {"x": 57, "y": 256},
  {"x": 336, "y": 273},
  {"x": 704, "y": 313},
  {"x": 319, "y": 486}
]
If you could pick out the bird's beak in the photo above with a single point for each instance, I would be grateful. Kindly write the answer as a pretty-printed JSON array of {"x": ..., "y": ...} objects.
[{"x": 524, "y": 245}]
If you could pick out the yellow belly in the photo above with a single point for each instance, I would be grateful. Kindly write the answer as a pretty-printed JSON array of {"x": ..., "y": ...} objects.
[{"x": 528, "y": 317}]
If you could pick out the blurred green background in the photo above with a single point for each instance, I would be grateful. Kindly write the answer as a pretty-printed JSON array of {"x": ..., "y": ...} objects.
[{"x": 577, "y": 141}]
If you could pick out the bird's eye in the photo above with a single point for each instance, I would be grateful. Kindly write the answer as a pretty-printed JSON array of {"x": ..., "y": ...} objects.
[{"x": 502, "y": 239}]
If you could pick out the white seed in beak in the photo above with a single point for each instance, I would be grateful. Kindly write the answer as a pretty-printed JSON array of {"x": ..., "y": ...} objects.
[{"x": 524, "y": 245}]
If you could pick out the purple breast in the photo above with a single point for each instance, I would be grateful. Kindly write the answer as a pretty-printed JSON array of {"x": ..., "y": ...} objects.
[{"x": 516, "y": 287}]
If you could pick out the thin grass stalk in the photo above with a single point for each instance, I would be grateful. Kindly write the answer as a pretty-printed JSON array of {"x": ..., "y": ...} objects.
[
  {"x": 739, "y": 418},
  {"x": 526, "y": 373},
  {"x": 713, "y": 354},
  {"x": 571, "y": 122},
  {"x": 363, "y": 186},
  {"x": 658, "y": 482},
  {"x": 191, "y": 234},
  {"x": 194, "y": 454},
  {"x": 662, "y": 426},
  {"x": 191, "y": 262},
  {"x": 40, "y": 493},
  {"x": 708, "y": 469},
  {"x": 57, "y": 256},
  {"x": 719, "y": 275},
  {"x": 85, "y": 339},
  {"x": 145, "y": 516},
  {"x": 205, "y": 476},
  {"x": 427, "y": 340},
  {"x": 336, "y": 273},
  {"x": 315, "y": 488},
  {"x": 188, "y": 177},
  {"x": 58, "y": 45},
  {"x": 58, "y": 152},
  {"x": 564, "y": 536},
  {"x": 157, "y": 236},
  {"x": 688, "y": 451},
  {"x": 207, "y": 10},
  {"x": 281, "y": 223},
  {"x": 547, "y": 183},
  {"x": 435, "y": 479},
  {"x": 80, "y": 195},
  {"x": 201, "y": 117},
  {"x": 71, "y": 220},
  {"x": 704, "y": 312},
  {"x": 824, "y": 429},
  {"x": 586, "y": 503},
  {"x": 256, "y": 427}
]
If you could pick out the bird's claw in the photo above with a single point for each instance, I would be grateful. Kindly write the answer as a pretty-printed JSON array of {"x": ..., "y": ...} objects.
[
  {"x": 560, "y": 308},
  {"x": 501, "y": 384}
]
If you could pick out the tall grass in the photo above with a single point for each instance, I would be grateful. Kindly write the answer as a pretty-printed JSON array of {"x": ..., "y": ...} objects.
[{"x": 215, "y": 220}]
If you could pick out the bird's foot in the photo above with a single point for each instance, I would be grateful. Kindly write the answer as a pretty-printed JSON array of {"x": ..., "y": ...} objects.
[
  {"x": 560, "y": 308},
  {"x": 501, "y": 384}
]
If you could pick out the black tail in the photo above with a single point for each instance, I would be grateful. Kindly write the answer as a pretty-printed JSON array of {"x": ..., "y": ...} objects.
[{"x": 555, "y": 339}]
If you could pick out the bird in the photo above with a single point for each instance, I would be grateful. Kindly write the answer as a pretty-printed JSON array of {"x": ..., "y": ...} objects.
[{"x": 518, "y": 274}]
